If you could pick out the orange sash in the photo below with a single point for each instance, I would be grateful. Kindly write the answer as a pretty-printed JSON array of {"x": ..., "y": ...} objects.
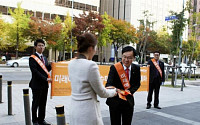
[
  {"x": 157, "y": 66},
  {"x": 41, "y": 64},
  {"x": 125, "y": 81}
]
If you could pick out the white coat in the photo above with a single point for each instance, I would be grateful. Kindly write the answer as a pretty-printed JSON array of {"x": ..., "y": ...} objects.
[{"x": 86, "y": 85}]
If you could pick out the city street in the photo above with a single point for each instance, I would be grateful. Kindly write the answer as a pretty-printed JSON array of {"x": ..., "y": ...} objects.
[{"x": 178, "y": 107}]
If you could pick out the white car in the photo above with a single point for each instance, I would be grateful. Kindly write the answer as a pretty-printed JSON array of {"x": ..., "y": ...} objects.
[{"x": 24, "y": 61}]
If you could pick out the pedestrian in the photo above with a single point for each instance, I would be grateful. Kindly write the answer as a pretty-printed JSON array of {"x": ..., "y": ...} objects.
[
  {"x": 8, "y": 56},
  {"x": 157, "y": 76},
  {"x": 86, "y": 84},
  {"x": 39, "y": 83},
  {"x": 125, "y": 76}
]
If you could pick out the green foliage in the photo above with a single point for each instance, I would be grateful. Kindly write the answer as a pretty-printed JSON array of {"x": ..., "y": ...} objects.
[
  {"x": 159, "y": 41},
  {"x": 190, "y": 47},
  {"x": 17, "y": 28},
  {"x": 177, "y": 30},
  {"x": 3, "y": 34},
  {"x": 104, "y": 35},
  {"x": 66, "y": 32}
]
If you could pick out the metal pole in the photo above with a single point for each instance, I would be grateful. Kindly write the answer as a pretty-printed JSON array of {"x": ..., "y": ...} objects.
[
  {"x": 181, "y": 40},
  {"x": 60, "y": 115},
  {"x": 9, "y": 97},
  {"x": 194, "y": 74},
  {"x": 183, "y": 76},
  {"x": 175, "y": 75},
  {"x": 0, "y": 88},
  {"x": 71, "y": 30},
  {"x": 190, "y": 71},
  {"x": 27, "y": 107}
]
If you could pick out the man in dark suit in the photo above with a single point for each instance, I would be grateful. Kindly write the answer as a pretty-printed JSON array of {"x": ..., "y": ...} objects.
[
  {"x": 157, "y": 76},
  {"x": 39, "y": 83},
  {"x": 119, "y": 108}
]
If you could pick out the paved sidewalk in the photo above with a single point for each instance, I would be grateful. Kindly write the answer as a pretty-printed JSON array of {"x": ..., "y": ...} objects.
[{"x": 178, "y": 107}]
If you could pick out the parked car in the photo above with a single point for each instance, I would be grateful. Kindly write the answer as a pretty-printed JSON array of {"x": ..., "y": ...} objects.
[{"x": 24, "y": 61}]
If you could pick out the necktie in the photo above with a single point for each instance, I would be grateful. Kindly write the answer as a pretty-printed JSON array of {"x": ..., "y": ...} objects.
[
  {"x": 42, "y": 59},
  {"x": 127, "y": 73}
]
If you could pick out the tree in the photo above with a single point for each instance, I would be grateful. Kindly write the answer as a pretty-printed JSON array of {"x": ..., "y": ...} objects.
[
  {"x": 66, "y": 34},
  {"x": 54, "y": 34},
  {"x": 160, "y": 41},
  {"x": 91, "y": 22},
  {"x": 122, "y": 33},
  {"x": 177, "y": 31},
  {"x": 104, "y": 36},
  {"x": 17, "y": 28},
  {"x": 3, "y": 34},
  {"x": 194, "y": 25},
  {"x": 143, "y": 34}
]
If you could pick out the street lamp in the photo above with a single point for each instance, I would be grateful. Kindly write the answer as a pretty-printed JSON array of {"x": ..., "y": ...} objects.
[{"x": 71, "y": 30}]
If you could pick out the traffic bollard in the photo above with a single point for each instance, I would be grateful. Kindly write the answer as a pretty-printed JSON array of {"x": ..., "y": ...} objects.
[
  {"x": 0, "y": 88},
  {"x": 9, "y": 97},
  {"x": 60, "y": 115},
  {"x": 27, "y": 107},
  {"x": 182, "y": 84}
]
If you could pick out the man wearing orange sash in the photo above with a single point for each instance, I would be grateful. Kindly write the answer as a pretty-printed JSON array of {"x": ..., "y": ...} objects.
[
  {"x": 124, "y": 76},
  {"x": 39, "y": 83},
  {"x": 157, "y": 76}
]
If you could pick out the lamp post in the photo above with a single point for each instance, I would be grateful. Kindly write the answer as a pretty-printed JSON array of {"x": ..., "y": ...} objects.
[
  {"x": 71, "y": 30},
  {"x": 181, "y": 40}
]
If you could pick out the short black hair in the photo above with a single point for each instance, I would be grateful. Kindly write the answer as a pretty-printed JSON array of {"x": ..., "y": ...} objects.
[
  {"x": 39, "y": 41},
  {"x": 129, "y": 48},
  {"x": 157, "y": 52}
]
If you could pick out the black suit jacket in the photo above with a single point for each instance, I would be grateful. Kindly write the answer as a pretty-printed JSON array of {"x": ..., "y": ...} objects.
[
  {"x": 153, "y": 71},
  {"x": 39, "y": 76},
  {"x": 114, "y": 80}
]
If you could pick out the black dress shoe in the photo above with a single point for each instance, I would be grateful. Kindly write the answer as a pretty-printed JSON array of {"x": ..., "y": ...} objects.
[
  {"x": 148, "y": 107},
  {"x": 157, "y": 107},
  {"x": 35, "y": 123},
  {"x": 44, "y": 123}
]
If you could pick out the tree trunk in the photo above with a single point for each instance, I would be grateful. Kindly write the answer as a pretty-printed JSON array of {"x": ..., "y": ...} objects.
[
  {"x": 101, "y": 54},
  {"x": 144, "y": 47},
  {"x": 55, "y": 55},
  {"x": 116, "y": 53},
  {"x": 63, "y": 52},
  {"x": 17, "y": 45}
]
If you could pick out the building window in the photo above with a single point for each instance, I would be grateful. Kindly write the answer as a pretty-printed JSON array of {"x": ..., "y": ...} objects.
[
  {"x": 76, "y": 5},
  {"x": 82, "y": 6},
  {"x": 46, "y": 16},
  {"x": 53, "y": 16},
  {"x": 88, "y": 7},
  {"x": 94, "y": 8},
  {"x": 3, "y": 10},
  {"x": 62, "y": 17},
  {"x": 39, "y": 15}
]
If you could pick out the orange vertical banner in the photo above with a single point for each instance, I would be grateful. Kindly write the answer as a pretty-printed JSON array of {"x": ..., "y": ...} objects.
[
  {"x": 144, "y": 79},
  {"x": 60, "y": 85}
]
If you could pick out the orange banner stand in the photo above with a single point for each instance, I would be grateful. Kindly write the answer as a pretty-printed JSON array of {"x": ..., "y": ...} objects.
[
  {"x": 144, "y": 79},
  {"x": 61, "y": 85}
]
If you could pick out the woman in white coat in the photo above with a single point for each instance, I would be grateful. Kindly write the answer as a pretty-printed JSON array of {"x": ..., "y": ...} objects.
[{"x": 86, "y": 84}]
